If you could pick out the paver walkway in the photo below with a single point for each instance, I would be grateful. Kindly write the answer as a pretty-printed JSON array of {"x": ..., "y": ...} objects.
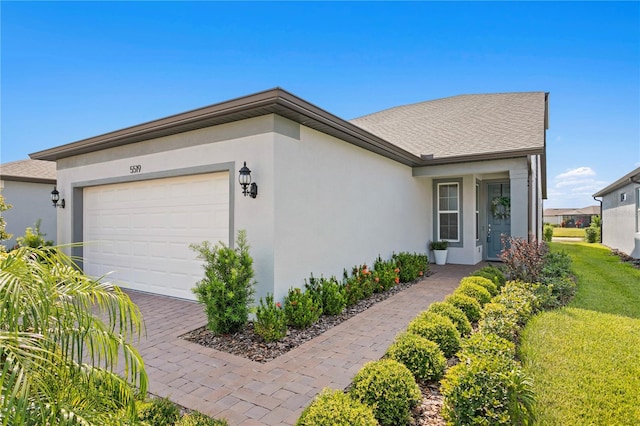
[{"x": 275, "y": 393}]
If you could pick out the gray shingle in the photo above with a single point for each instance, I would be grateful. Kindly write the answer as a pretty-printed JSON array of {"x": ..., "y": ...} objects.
[
  {"x": 463, "y": 125},
  {"x": 28, "y": 170}
]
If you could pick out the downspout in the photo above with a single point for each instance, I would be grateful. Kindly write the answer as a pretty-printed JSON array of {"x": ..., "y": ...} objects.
[{"x": 601, "y": 219}]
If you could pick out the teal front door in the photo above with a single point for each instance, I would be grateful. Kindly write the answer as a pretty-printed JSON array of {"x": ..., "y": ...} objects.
[{"x": 499, "y": 217}]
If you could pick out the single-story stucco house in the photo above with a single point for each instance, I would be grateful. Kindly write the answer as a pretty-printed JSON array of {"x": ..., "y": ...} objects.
[
  {"x": 570, "y": 218},
  {"x": 621, "y": 214},
  {"x": 331, "y": 193},
  {"x": 27, "y": 186}
]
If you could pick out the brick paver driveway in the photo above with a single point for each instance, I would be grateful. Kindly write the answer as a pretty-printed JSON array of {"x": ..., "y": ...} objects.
[{"x": 249, "y": 393}]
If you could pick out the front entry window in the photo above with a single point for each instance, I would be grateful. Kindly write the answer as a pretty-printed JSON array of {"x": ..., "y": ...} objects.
[{"x": 448, "y": 212}]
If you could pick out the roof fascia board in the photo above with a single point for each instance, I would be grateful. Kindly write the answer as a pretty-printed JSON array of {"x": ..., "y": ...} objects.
[
  {"x": 428, "y": 161},
  {"x": 625, "y": 180},
  {"x": 27, "y": 179},
  {"x": 272, "y": 98}
]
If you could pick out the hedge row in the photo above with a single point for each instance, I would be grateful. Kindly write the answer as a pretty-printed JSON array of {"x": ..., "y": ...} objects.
[
  {"x": 328, "y": 296},
  {"x": 487, "y": 385}
]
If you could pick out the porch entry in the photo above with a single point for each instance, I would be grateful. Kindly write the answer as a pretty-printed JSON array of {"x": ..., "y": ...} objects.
[{"x": 498, "y": 216}]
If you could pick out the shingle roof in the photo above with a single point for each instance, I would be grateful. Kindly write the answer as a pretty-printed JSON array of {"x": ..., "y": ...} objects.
[
  {"x": 29, "y": 171},
  {"x": 464, "y": 125},
  {"x": 632, "y": 176},
  {"x": 589, "y": 210}
]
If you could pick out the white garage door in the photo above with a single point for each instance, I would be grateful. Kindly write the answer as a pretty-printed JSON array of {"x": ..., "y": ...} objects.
[{"x": 141, "y": 231}]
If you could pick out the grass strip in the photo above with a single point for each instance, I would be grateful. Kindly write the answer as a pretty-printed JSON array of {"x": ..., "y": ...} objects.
[
  {"x": 586, "y": 367},
  {"x": 569, "y": 232},
  {"x": 585, "y": 358}
]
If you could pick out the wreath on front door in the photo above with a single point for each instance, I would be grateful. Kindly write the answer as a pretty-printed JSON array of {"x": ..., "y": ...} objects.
[{"x": 501, "y": 207}]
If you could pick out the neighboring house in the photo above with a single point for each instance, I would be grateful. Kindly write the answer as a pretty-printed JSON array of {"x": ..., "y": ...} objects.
[
  {"x": 332, "y": 193},
  {"x": 27, "y": 186},
  {"x": 621, "y": 214},
  {"x": 571, "y": 218}
]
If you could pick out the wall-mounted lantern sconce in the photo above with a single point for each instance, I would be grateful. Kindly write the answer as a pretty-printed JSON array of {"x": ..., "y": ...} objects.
[
  {"x": 55, "y": 197},
  {"x": 248, "y": 188}
]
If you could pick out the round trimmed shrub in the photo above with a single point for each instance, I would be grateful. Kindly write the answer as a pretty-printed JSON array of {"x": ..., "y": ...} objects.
[
  {"x": 334, "y": 407},
  {"x": 476, "y": 291},
  {"x": 519, "y": 297},
  {"x": 438, "y": 329},
  {"x": 481, "y": 281},
  {"x": 389, "y": 388},
  {"x": 421, "y": 356},
  {"x": 499, "y": 320},
  {"x": 492, "y": 273},
  {"x": 486, "y": 345},
  {"x": 487, "y": 391},
  {"x": 158, "y": 411},
  {"x": 466, "y": 304},
  {"x": 196, "y": 418},
  {"x": 456, "y": 315}
]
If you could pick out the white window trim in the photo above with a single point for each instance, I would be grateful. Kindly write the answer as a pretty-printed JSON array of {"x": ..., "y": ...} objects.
[{"x": 438, "y": 211}]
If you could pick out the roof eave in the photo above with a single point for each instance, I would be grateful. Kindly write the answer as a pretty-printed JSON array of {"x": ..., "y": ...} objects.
[
  {"x": 273, "y": 101},
  {"x": 427, "y": 161},
  {"x": 631, "y": 177}
]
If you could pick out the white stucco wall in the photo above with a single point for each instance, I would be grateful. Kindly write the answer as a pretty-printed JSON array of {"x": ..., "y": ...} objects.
[
  {"x": 201, "y": 148},
  {"x": 338, "y": 205},
  {"x": 619, "y": 221},
  {"x": 31, "y": 201}
]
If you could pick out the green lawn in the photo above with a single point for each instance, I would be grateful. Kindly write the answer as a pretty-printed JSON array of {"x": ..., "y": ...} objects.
[
  {"x": 568, "y": 232},
  {"x": 585, "y": 358}
]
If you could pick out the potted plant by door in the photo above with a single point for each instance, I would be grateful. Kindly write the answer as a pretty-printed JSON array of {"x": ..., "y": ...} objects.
[{"x": 439, "y": 251}]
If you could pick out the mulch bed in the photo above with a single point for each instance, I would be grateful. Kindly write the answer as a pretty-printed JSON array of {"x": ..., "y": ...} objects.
[
  {"x": 626, "y": 258},
  {"x": 247, "y": 344}
]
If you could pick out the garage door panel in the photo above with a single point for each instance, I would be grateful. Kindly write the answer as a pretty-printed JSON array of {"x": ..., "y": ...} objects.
[{"x": 142, "y": 230}]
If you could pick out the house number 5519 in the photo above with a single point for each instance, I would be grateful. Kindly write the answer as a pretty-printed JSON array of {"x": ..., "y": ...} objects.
[{"x": 135, "y": 169}]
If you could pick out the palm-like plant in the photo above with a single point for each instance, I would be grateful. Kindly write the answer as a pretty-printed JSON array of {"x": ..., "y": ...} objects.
[{"x": 61, "y": 336}]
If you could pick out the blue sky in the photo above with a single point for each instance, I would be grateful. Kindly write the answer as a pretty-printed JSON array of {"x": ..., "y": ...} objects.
[{"x": 72, "y": 70}]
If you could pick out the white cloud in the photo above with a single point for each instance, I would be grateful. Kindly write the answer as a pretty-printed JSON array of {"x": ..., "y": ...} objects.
[
  {"x": 573, "y": 188},
  {"x": 577, "y": 172}
]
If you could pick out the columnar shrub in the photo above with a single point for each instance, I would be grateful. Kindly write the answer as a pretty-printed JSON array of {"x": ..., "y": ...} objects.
[
  {"x": 412, "y": 265},
  {"x": 523, "y": 259},
  {"x": 227, "y": 287},
  {"x": 466, "y": 304},
  {"x": 438, "y": 329},
  {"x": 271, "y": 320},
  {"x": 547, "y": 233},
  {"x": 421, "y": 356},
  {"x": 488, "y": 284},
  {"x": 474, "y": 290},
  {"x": 301, "y": 309},
  {"x": 498, "y": 319},
  {"x": 335, "y": 408},
  {"x": 456, "y": 315},
  {"x": 385, "y": 274},
  {"x": 332, "y": 295},
  {"x": 389, "y": 388}
]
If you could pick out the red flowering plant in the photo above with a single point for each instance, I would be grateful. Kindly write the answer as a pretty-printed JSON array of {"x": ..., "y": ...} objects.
[
  {"x": 385, "y": 274},
  {"x": 359, "y": 285},
  {"x": 412, "y": 265},
  {"x": 271, "y": 321}
]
